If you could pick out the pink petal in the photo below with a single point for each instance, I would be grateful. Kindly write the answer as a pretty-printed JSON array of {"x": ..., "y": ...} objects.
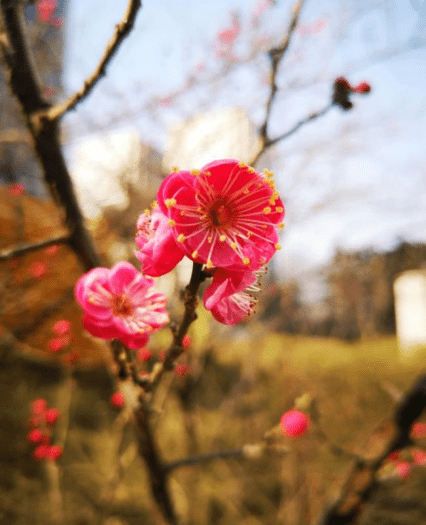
[{"x": 121, "y": 275}]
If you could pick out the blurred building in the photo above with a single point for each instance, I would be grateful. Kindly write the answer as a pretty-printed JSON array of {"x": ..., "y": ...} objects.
[
  {"x": 410, "y": 310},
  {"x": 46, "y": 39}
]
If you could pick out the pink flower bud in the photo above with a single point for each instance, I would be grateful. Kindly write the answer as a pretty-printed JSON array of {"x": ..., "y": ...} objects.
[
  {"x": 294, "y": 423},
  {"x": 186, "y": 341},
  {"x": 35, "y": 436},
  {"x": 37, "y": 269},
  {"x": 52, "y": 415},
  {"x": 38, "y": 406},
  {"x": 362, "y": 88},
  {"x": 403, "y": 469},
  {"x": 419, "y": 457},
  {"x": 41, "y": 452},
  {"x": 55, "y": 344},
  {"x": 54, "y": 452},
  {"x": 52, "y": 250},
  {"x": 143, "y": 354},
  {"x": 418, "y": 430},
  {"x": 117, "y": 400},
  {"x": 61, "y": 327}
]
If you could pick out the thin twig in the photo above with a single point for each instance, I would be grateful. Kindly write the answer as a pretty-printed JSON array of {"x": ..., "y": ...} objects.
[
  {"x": 270, "y": 142},
  {"x": 21, "y": 249},
  {"x": 203, "y": 458},
  {"x": 276, "y": 54},
  {"x": 121, "y": 31}
]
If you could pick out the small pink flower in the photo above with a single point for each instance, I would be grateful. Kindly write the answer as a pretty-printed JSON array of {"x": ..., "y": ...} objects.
[
  {"x": 54, "y": 452},
  {"x": 159, "y": 253},
  {"x": 38, "y": 407},
  {"x": 143, "y": 354},
  {"x": 225, "y": 215},
  {"x": 35, "y": 436},
  {"x": 37, "y": 269},
  {"x": 120, "y": 303},
  {"x": 61, "y": 327},
  {"x": 227, "y": 297},
  {"x": 41, "y": 452},
  {"x": 52, "y": 415},
  {"x": 117, "y": 400},
  {"x": 362, "y": 88},
  {"x": 16, "y": 189},
  {"x": 294, "y": 423}
]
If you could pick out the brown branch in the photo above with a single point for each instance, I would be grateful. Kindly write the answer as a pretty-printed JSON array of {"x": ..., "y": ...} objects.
[
  {"x": 267, "y": 143},
  {"x": 21, "y": 249},
  {"x": 392, "y": 435},
  {"x": 203, "y": 458},
  {"x": 276, "y": 54},
  {"x": 121, "y": 31},
  {"x": 25, "y": 84}
]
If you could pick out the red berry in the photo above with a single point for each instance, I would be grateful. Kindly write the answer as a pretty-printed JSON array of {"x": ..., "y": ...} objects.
[
  {"x": 117, "y": 400},
  {"x": 294, "y": 423},
  {"x": 52, "y": 415}
]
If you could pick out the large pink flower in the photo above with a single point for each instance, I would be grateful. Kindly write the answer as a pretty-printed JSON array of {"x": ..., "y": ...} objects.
[
  {"x": 159, "y": 253},
  {"x": 225, "y": 215},
  {"x": 120, "y": 304},
  {"x": 227, "y": 297}
]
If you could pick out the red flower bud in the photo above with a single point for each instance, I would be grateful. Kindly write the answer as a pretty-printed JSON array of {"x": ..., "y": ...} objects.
[
  {"x": 294, "y": 423},
  {"x": 362, "y": 88},
  {"x": 52, "y": 415},
  {"x": 54, "y": 452},
  {"x": 35, "y": 436},
  {"x": 38, "y": 406},
  {"x": 117, "y": 400}
]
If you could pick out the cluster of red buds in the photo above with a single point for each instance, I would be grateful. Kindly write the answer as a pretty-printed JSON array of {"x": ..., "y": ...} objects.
[
  {"x": 42, "y": 421},
  {"x": 342, "y": 91}
]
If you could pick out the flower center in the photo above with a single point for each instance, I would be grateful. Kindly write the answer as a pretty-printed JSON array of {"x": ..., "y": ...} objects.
[
  {"x": 220, "y": 214},
  {"x": 121, "y": 306}
]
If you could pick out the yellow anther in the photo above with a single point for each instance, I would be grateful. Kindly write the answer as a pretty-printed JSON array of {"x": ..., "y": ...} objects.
[
  {"x": 233, "y": 245},
  {"x": 171, "y": 222},
  {"x": 170, "y": 203},
  {"x": 264, "y": 226},
  {"x": 194, "y": 254},
  {"x": 277, "y": 246},
  {"x": 207, "y": 173},
  {"x": 154, "y": 205},
  {"x": 246, "y": 260},
  {"x": 266, "y": 210},
  {"x": 249, "y": 234},
  {"x": 209, "y": 239},
  {"x": 279, "y": 209},
  {"x": 209, "y": 263},
  {"x": 246, "y": 191},
  {"x": 272, "y": 201},
  {"x": 147, "y": 212},
  {"x": 175, "y": 169},
  {"x": 280, "y": 225},
  {"x": 222, "y": 238},
  {"x": 251, "y": 170},
  {"x": 242, "y": 165},
  {"x": 182, "y": 212},
  {"x": 195, "y": 172},
  {"x": 181, "y": 237}
]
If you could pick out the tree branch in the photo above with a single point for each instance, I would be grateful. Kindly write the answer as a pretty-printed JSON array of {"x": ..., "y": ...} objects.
[
  {"x": 121, "y": 31},
  {"x": 21, "y": 249},
  {"x": 203, "y": 458}
]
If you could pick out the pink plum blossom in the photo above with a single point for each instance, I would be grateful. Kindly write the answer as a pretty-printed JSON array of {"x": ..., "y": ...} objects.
[
  {"x": 120, "y": 303},
  {"x": 227, "y": 298},
  {"x": 225, "y": 215},
  {"x": 158, "y": 251}
]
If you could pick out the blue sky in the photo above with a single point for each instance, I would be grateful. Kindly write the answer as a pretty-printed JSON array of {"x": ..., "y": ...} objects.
[{"x": 350, "y": 180}]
